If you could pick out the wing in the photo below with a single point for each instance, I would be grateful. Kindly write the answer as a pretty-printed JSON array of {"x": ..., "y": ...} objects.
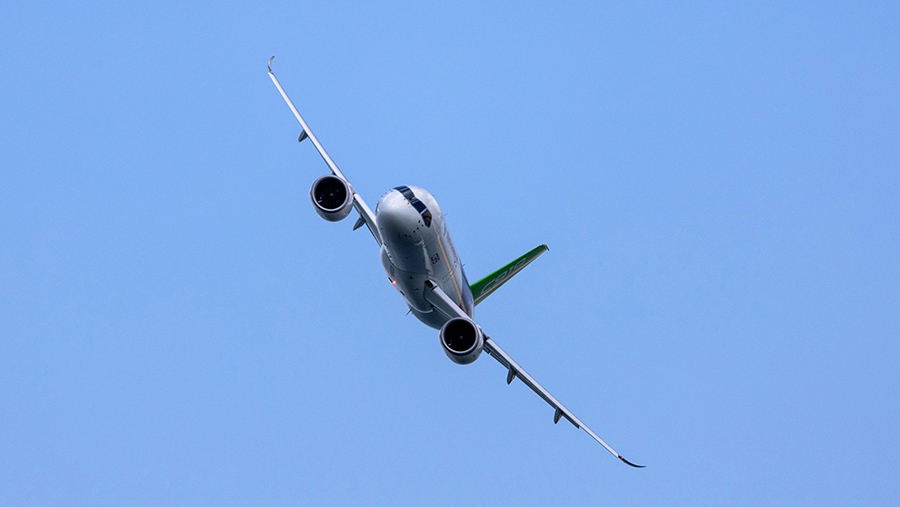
[
  {"x": 434, "y": 295},
  {"x": 515, "y": 370},
  {"x": 365, "y": 214}
]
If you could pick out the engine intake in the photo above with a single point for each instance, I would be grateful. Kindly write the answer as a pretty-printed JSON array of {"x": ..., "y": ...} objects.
[
  {"x": 462, "y": 340},
  {"x": 332, "y": 198}
]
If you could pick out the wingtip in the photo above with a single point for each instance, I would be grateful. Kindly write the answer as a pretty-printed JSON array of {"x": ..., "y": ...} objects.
[
  {"x": 270, "y": 63},
  {"x": 630, "y": 463}
]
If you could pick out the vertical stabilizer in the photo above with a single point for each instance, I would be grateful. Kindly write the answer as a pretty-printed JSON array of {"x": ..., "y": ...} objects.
[{"x": 487, "y": 285}]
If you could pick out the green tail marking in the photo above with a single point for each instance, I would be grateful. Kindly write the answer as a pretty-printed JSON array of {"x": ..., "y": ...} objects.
[{"x": 487, "y": 285}]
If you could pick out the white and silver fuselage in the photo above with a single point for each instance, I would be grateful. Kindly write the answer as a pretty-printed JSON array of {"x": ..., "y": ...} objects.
[
  {"x": 420, "y": 261},
  {"x": 416, "y": 247}
]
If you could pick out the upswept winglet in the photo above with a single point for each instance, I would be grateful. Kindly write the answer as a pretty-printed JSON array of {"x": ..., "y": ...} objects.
[{"x": 630, "y": 463}]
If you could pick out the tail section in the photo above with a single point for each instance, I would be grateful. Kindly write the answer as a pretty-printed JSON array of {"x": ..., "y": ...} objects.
[{"x": 487, "y": 285}]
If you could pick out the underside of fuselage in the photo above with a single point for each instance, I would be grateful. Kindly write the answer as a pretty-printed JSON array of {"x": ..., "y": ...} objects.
[{"x": 416, "y": 247}]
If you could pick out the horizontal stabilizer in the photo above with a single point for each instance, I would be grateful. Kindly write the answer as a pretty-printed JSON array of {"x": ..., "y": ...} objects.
[{"x": 484, "y": 287}]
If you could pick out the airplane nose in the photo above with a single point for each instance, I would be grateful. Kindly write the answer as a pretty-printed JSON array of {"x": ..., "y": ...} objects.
[{"x": 397, "y": 220}]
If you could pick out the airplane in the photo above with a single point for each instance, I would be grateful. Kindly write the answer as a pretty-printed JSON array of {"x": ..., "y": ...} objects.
[{"x": 421, "y": 263}]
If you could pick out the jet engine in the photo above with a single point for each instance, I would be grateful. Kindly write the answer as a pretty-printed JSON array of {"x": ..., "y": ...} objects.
[
  {"x": 332, "y": 198},
  {"x": 462, "y": 340}
]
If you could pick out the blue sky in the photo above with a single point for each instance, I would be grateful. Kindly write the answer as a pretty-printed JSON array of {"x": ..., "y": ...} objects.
[{"x": 718, "y": 185}]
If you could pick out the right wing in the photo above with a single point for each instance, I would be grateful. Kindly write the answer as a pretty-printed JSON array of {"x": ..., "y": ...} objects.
[
  {"x": 434, "y": 295},
  {"x": 365, "y": 214}
]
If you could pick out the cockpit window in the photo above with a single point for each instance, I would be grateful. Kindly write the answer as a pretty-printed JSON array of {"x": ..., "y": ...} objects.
[{"x": 416, "y": 203}]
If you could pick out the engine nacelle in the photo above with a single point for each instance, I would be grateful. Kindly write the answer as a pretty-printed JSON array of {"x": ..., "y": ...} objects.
[
  {"x": 332, "y": 198},
  {"x": 462, "y": 340}
]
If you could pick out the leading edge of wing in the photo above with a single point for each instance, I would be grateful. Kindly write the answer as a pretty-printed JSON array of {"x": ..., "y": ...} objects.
[
  {"x": 362, "y": 208},
  {"x": 494, "y": 350},
  {"x": 434, "y": 295},
  {"x": 312, "y": 137}
]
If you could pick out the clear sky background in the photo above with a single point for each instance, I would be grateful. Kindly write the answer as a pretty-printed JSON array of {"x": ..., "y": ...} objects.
[{"x": 718, "y": 184}]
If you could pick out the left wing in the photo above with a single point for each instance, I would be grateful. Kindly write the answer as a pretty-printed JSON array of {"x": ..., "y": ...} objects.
[
  {"x": 516, "y": 371},
  {"x": 434, "y": 295},
  {"x": 365, "y": 214}
]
